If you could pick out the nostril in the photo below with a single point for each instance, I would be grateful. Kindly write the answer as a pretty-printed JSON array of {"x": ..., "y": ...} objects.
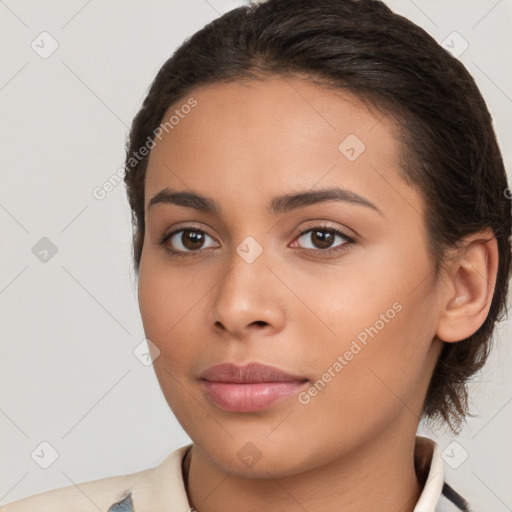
[{"x": 219, "y": 324}]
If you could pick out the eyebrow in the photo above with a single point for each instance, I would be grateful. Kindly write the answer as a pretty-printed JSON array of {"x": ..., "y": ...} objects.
[{"x": 278, "y": 205}]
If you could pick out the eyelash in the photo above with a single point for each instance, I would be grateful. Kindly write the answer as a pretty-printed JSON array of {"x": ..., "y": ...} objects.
[{"x": 349, "y": 241}]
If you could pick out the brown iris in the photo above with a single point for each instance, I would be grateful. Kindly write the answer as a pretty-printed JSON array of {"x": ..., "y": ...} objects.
[
  {"x": 322, "y": 239},
  {"x": 192, "y": 240}
]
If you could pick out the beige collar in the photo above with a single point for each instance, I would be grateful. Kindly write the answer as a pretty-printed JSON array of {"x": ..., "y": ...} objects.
[{"x": 162, "y": 488}]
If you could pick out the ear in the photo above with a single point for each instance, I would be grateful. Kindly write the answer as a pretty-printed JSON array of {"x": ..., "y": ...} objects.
[{"x": 470, "y": 288}]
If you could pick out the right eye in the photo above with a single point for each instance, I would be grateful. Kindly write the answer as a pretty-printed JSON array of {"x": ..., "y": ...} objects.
[{"x": 184, "y": 241}]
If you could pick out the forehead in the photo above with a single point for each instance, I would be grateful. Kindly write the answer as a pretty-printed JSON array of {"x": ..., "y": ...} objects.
[{"x": 273, "y": 135}]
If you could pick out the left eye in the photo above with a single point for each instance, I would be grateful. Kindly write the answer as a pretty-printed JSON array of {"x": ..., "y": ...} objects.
[
  {"x": 186, "y": 240},
  {"x": 323, "y": 238}
]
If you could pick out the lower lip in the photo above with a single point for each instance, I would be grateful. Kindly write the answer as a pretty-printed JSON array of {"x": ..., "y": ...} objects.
[{"x": 257, "y": 396}]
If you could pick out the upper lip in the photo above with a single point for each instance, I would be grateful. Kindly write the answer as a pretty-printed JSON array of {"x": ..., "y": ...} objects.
[{"x": 251, "y": 372}]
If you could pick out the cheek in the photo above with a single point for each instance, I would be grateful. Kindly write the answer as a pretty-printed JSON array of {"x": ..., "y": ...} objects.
[
  {"x": 362, "y": 386},
  {"x": 162, "y": 302},
  {"x": 382, "y": 324},
  {"x": 165, "y": 307},
  {"x": 162, "y": 292},
  {"x": 171, "y": 302}
]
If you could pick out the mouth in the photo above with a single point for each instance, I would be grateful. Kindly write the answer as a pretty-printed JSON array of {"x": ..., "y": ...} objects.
[{"x": 249, "y": 388}]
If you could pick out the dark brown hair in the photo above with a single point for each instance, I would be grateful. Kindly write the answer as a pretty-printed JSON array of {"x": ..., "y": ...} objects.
[{"x": 449, "y": 149}]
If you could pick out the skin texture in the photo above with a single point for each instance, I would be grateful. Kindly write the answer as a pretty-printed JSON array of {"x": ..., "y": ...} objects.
[{"x": 296, "y": 307}]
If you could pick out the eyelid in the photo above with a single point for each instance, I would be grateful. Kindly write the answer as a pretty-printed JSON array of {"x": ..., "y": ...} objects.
[
  {"x": 187, "y": 226},
  {"x": 164, "y": 239},
  {"x": 349, "y": 242},
  {"x": 327, "y": 225}
]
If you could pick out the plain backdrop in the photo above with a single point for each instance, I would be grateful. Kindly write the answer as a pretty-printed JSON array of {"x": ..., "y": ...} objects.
[{"x": 74, "y": 396}]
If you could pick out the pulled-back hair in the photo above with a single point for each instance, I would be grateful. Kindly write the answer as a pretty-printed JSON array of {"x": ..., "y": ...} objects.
[{"x": 448, "y": 146}]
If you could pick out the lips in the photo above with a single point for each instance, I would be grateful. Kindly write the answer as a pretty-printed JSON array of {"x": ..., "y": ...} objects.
[
  {"x": 249, "y": 373},
  {"x": 249, "y": 388}
]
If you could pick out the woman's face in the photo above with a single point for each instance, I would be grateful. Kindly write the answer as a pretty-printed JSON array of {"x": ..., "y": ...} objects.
[{"x": 351, "y": 316}]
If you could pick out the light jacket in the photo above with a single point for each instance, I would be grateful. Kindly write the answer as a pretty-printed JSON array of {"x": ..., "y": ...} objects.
[{"x": 162, "y": 489}]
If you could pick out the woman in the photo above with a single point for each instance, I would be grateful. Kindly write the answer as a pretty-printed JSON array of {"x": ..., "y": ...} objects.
[{"x": 321, "y": 238}]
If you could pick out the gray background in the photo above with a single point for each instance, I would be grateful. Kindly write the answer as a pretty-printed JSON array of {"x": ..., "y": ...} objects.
[{"x": 69, "y": 325}]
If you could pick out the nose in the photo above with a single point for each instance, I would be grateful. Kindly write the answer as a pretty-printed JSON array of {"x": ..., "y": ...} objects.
[{"x": 250, "y": 300}]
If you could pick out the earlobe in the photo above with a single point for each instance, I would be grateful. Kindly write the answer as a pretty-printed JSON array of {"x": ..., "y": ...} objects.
[{"x": 471, "y": 287}]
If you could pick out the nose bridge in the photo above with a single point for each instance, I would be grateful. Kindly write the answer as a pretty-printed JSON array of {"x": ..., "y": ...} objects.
[{"x": 247, "y": 294}]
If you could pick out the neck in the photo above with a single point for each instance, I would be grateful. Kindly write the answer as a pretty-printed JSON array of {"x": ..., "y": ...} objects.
[{"x": 386, "y": 467}]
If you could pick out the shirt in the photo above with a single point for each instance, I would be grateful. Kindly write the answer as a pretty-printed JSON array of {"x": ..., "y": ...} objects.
[{"x": 162, "y": 489}]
